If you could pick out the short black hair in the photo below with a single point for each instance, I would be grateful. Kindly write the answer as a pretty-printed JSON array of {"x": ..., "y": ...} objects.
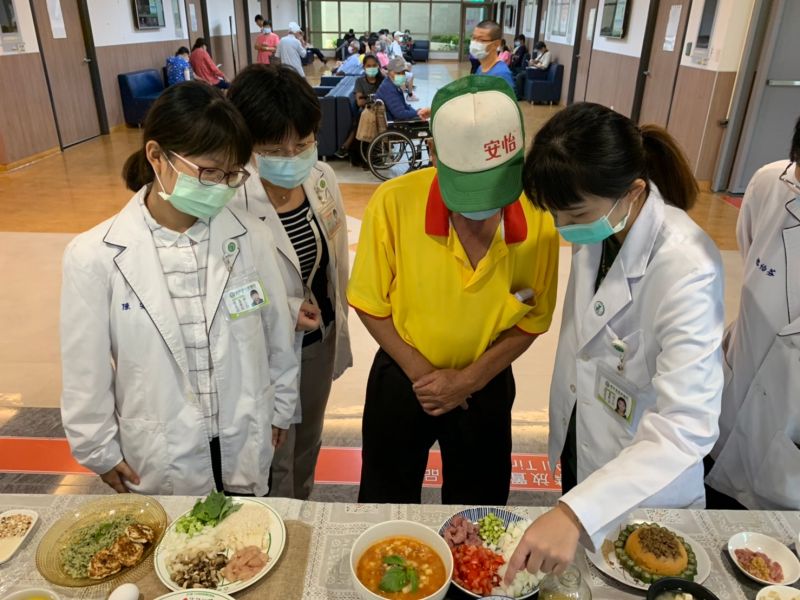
[
  {"x": 199, "y": 43},
  {"x": 794, "y": 153},
  {"x": 258, "y": 18},
  {"x": 275, "y": 102},
  {"x": 521, "y": 38},
  {"x": 495, "y": 32},
  {"x": 540, "y": 45},
  {"x": 182, "y": 50},
  {"x": 254, "y": 292}
]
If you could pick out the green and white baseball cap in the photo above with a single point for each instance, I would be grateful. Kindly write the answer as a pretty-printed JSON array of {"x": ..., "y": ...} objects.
[{"x": 480, "y": 143}]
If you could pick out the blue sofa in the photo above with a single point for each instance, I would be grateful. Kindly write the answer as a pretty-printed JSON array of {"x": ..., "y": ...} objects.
[
  {"x": 337, "y": 103},
  {"x": 421, "y": 50},
  {"x": 139, "y": 90},
  {"x": 544, "y": 86}
]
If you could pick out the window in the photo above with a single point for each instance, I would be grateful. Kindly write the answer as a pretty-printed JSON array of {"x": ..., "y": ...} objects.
[
  {"x": 415, "y": 18},
  {"x": 355, "y": 16},
  {"x": 8, "y": 17},
  {"x": 559, "y": 19},
  {"x": 385, "y": 15},
  {"x": 706, "y": 25},
  {"x": 445, "y": 25}
]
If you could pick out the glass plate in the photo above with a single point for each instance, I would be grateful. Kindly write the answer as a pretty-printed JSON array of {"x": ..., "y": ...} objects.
[{"x": 144, "y": 509}]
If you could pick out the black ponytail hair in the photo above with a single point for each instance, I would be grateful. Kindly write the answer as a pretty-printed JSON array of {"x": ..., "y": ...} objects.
[
  {"x": 590, "y": 149},
  {"x": 794, "y": 152},
  {"x": 199, "y": 43},
  {"x": 190, "y": 119}
]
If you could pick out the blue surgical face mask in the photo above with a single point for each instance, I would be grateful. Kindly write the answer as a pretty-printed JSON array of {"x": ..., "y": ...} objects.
[
  {"x": 196, "y": 199},
  {"x": 267, "y": 30},
  {"x": 595, "y": 232},
  {"x": 287, "y": 172},
  {"x": 371, "y": 71},
  {"x": 480, "y": 215},
  {"x": 399, "y": 80}
]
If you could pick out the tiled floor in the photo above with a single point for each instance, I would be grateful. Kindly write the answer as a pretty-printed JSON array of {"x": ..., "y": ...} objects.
[{"x": 45, "y": 204}]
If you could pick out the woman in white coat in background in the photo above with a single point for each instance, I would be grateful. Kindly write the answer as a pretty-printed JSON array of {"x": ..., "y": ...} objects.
[
  {"x": 176, "y": 338},
  {"x": 758, "y": 453},
  {"x": 636, "y": 388},
  {"x": 300, "y": 201}
]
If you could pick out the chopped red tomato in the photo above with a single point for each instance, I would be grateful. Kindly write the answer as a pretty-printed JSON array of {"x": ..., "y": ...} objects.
[{"x": 475, "y": 568}]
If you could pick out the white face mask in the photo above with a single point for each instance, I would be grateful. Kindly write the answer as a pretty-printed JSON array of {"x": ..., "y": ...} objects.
[{"x": 478, "y": 49}]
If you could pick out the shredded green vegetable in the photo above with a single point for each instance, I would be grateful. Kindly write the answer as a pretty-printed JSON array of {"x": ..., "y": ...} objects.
[{"x": 88, "y": 541}]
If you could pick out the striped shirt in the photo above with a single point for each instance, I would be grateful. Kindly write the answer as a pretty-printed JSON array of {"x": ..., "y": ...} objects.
[
  {"x": 184, "y": 261},
  {"x": 297, "y": 224}
]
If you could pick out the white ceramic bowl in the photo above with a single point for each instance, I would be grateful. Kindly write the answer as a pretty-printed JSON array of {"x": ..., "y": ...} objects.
[
  {"x": 389, "y": 529},
  {"x": 783, "y": 592},
  {"x": 33, "y": 593},
  {"x": 758, "y": 542}
]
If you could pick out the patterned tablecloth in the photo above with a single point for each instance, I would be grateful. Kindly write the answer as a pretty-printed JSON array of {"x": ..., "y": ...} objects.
[{"x": 336, "y": 526}]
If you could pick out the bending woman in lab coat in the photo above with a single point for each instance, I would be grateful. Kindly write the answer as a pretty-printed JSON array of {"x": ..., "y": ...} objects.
[
  {"x": 642, "y": 323},
  {"x": 758, "y": 452},
  {"x": 176, "y": 379}
]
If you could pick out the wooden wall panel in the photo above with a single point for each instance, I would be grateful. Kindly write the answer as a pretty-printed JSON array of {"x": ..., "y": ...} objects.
[
  {"x": 712, "y": 136},
  {"x": 113, "y": 60},
  {"x": 27, "y": 125},
  {"x": 693, "y": 91},
  {"x": 612, "y": 81},
  {"x": 563, "y": 55}
]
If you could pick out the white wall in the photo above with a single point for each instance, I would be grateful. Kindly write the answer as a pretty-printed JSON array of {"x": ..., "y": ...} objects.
[
  {"x": 26, "y": 28},
  {"x": 284, "y": 11},
  {"x": 631, "y": 44},
  {"x": 219, "y": 14},
  {"x": 254, "y": 7},
  {"x": 727, "y": 38},
  {"x": 113, "y": 24}
]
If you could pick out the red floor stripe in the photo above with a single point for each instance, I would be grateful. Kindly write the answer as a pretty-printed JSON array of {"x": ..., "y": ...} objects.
[
  {"x": 336, "y": 466},
  {"x": 735, "y": 201}
]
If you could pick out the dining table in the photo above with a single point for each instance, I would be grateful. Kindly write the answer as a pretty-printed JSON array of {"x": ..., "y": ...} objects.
[{"x": 320, "y": 568}]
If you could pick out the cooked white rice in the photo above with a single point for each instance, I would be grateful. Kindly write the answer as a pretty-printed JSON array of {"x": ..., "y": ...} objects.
[{"x": 524, "y": 583}]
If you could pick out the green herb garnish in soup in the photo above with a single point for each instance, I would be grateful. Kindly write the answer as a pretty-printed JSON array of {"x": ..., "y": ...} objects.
[{"x": 401, "y": 568}]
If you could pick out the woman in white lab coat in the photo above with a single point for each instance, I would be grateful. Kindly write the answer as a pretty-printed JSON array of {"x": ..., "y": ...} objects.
[
  {"x": 298, "y": 198},
  {"x": 758, "y": 452},
  {"x": 635, "y": 396},
  {"x": 179, "y": 371}
]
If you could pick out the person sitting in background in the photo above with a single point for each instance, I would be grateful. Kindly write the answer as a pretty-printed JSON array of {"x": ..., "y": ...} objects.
[
  {"x": 178, "y": 67},
  {"x": 390, "y": 92},
  {"x": 377, "y": 49},
  {"x": 486, "y": 38},
  {"x": 366, "y": 86},
  {"x": 352, "y": 66},
  {"x": 311, "y": 52},
  {"x": 504, "y": 53},
  {"x": 266, "y": 42},
  {"x": 291, "y": 50},
  {"x": 521, "y": 56},
  {"x": 543, "y": 57},
  {"x": 204, "y": 67},
  {"x": 396, "y": 49}
]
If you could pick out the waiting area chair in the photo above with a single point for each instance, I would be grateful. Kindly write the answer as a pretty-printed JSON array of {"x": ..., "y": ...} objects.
[
  {"x": 421, "y": 50},
  {"x": 544, "y": 85},
  {"x": 139, "y": 90}
]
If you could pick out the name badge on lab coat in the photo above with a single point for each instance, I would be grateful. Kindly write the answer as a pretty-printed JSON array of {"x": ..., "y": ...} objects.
[
  {"x": 616, "y": 393},
  {"x": 244, "y": 296}
]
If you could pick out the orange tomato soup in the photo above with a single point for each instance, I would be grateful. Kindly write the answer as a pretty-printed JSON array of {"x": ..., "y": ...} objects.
[{"x": 427, "y": 563}]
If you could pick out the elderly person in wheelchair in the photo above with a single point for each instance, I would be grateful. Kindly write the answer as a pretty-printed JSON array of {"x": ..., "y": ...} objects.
[{"x": 391, "y": 94}]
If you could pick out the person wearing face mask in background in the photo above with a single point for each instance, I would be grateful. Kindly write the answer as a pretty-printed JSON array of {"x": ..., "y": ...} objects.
[
  {"x": 504, "y": 53},
  {"x": 455, "y": 276},
  {"x": 390, "y": 92},
  {"x": 366, "y": 86},
  {"x": 300, "y": 201},
  {"x": 484, "y": 47},
  {"x": 543, "y": 57},
  {"x": 643, "y": 321},
  {"x": 520, "y": 57},
  {"x": 174, "y": 382},
  {"x": 352, "y": 66},
  {"x": 266, "y": 42}
]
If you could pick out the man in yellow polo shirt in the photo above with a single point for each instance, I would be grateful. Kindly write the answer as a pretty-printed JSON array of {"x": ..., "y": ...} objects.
[{"x": 455, "y": 276}]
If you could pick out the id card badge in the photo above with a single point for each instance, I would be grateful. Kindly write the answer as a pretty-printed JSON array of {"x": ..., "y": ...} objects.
[
  {"x": 244, "y": 296},
  {"x": 616, "y": 393},
  {"x": 331, "y": 219}
]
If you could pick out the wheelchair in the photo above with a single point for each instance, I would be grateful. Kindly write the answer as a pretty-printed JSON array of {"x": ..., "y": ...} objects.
[{"x": 401, "y": 147}]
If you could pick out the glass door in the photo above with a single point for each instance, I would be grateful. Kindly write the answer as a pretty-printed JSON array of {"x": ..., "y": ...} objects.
[{"x": 471, "y": 14}]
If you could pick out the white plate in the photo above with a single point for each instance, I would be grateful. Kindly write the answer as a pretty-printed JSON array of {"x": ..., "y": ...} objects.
[
  {"x": 615, "y": 570},
  {"x": 784, "y": 592},
  {"x": 758, "y": 542},
  {"x": 9, "y": 546},
  {"x": 196, "y": 595},
  {"x": 273, "y": 546}
]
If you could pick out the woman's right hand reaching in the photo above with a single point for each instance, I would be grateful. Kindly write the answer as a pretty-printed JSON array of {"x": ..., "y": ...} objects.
[{"x": 116, "y": 477}]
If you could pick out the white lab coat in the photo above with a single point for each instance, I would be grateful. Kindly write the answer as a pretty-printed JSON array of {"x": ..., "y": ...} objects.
[
  {"x": 757, "y": 458},
  {"x": 126, "y": 393},
  {"x": 320, "y": 188},
  {"x": 663, "y": 297}
]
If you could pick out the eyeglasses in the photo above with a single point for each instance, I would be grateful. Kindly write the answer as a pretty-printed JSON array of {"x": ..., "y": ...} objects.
[
  {"x": 212, "y": 176},
  {"x": 793, "y": 186},
  {"x": 284, "y": 153}
]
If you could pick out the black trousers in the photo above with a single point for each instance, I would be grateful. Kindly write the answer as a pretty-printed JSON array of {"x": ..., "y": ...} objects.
[
  {"x": 397, "y": 436},
  {"x": 216, "y": 468},
  {"x": 717, "y": 500}
]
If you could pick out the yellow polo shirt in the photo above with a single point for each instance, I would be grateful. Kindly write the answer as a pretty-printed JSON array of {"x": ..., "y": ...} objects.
[{"x": 411, "y": 266}]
